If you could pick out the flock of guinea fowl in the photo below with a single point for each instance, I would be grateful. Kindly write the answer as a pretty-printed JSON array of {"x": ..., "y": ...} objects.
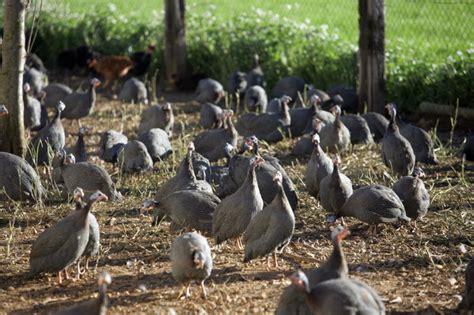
[{"x": 250, "y": 199}]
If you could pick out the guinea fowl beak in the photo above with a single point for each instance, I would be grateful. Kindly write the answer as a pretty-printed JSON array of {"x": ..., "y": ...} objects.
[
  {"x": 99, "y": 196},
  {"x": 343, "y": 234}
]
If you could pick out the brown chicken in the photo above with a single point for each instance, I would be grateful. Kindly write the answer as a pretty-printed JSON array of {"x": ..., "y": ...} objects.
[{"x": 111, "y": 67}]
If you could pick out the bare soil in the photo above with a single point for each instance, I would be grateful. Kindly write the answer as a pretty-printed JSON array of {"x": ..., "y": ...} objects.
[{"x": 418, "y": 270}]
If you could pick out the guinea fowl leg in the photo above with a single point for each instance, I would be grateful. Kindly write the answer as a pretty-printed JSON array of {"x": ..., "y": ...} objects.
[
  {"x": 66, "y": 274},
  {"x": 204, "y": 291},
  {"x": 184, "y": 289},
  {"x": 86, "y": 267},
  {"x": 240, "y": 246},
  {"x": 60, "y": 279},
  {"x": 275, "y": 261}
]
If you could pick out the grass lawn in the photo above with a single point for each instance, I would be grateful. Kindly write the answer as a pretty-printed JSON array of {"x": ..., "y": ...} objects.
[{"x": 434, "y": 29}]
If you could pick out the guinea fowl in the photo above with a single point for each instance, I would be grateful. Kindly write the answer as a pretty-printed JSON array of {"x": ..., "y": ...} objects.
[
  {"x": 209, "y": 91},
  {"x": 18, "y": 180},
  {"x": 237, "y": 88},
  {"x": 358, "y": 128},
  {"x": 211, "y": 143},
  {"x": 304, "y": 146},
  {"x": 289, "y": 86},
  {"x": 233, "y": 215},
  {"x": 134, "y": 158},
  {"x": 255, "y": 76},
  {"x": 185, "y": 179},
  {"x": 468, "y": 149},
  {"x": 335, "y": 267},
  {"x": 157, "y": 143},
  {"x": 302, "y": 118},
  {"x": 93, "y": 244},
  {"x": 133, "y": 90},
  {"x": 211, "y": 116},
  {"x": 81, "y": 104},
  {"x": 335, "y": 137},
  {"x": 374, "y": 204},
  {"x": 51, "y": 137},
  {"x": 110, "y": 145},
  {"x": 187, "y": 209},
  {"x": 32, "y": 109},
  {"x": 421, "y": 143},
  {"x": 157, "y": 116},
  {"x": 319, "y": 166},
  {"x": 191, "y": 260},
  {"x": 63, "y": 243},
  {"x": 270, "y": 127},
  {"x": 36, "y": 79},
  {"x": 413, "y": 194},
  {"x": 468, "y": 299},
  {"x": 97, "y": 306},
  {"x": 271, "y": 229},
  {"x": 397, "y": 152},
  {"x": 325, "y": 116},
  {"x": 335, "y": 188},
  {"x": 256, "y": 99},
  {"x": 274, "y": 106},
  {"x": 55, "y": 92},
  {"x": 79, "y": 149},
  {"x": 377, "y": 123},
  {"x": 86, "y": 175},
  {"x": 339, "y": 296}
]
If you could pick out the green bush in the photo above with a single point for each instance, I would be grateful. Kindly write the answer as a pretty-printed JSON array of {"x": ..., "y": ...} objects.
[{"x": 285, "y": 47}]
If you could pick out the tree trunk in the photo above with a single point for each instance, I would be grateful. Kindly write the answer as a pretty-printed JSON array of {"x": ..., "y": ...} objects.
[
  {"x": 371, "y": 55},
  {"x": 11, "y": 77},
  {"x": 175, "y": 50}
]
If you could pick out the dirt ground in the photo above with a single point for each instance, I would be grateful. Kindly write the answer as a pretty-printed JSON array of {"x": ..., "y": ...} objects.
[{"x": 413, "y": 270}]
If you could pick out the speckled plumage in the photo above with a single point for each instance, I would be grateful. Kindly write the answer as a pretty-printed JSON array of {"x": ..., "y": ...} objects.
[
  {"x": 134, "y": 158},
  {"x": 157, "y": 116},
  {"x": 110, "y": 145},
  {"x": 319, "y": 166},
  {"x": 335, "y": 189},
  {"x": 358, "y": 128},
  {"x": 413, "y": 194}
]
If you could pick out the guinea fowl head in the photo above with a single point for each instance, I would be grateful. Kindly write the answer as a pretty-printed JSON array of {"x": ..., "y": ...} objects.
[
  {"x": 78, "y": 194},
  {"x": 392, "y": 110},
  {"x": 95, "y": 82},
  {"x": 418, "y": 172},
  {"x": 300, "y": 280},
  {"x": 317, "y": 124},
  {"x": 26, "y": 87},
  {"x": 315, "y": 100},
  {"x": 336, "y": 110},
  {"x": 198, "y": 259},
  {"x": 99, "y": 196},
  {"x": 61, "y": 106},
  {"x": 278, "y": 178},
  {"x": 3, "y": 110},
  {"x": 336, "y": 159},
  {"x": 337, "y": 99},
  {"x": 191, "y": 147},
  {"x": 339, "y": 233},
  {"x": 228, "y": 148},
  {"x": 148, "y": 205},
  {"x": 104, "y": 279},
  {"x": 70, "y": 159},
  {"x": 166, "y": 107},
  {"x": 316, "y": 139},
  {"x": 285, "y": 99}
]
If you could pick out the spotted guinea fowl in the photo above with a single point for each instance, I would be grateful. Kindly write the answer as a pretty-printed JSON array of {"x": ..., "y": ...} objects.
[
  {"x": 55, "y": 92},
  {"x": 468, "y": 149},
  {"x": 50, "y": 138},
  {"x": 18, "y": 180},
  {"x": 271, "y": 229},
  {"x": 191, "y": 260},
  {"x": 81, "y": 104},
  {"x": 335, "y": 188},
  {"x": 79, "y": 148},
  {"x": 256, "y": 99},
  {"x": 377, "y": 123},
  {"x": 63, "y": 243},
  {"x": 31, "y": 109},
  {"x": 335, "y": 267},
  {"x": 302, "y": 118},
  {"x": 319, "y": 166},
  {"x": 134, "y": 158},
  {"x": 232, "y": 216},
  {"x": 324, "y": 116},
  {"x": 397, "y": 152},
  {"x": 358, "y": 128},
  {"x": 420, "y": 141},
  {"x": 88, "y": 176},
  {"x": 289, "y": 86},
  {"x": 133, "y": 90},
  {"x": 270, "y": 127},
  {"x": 96, "y": 306},
  {"x": 256, "y": 76},
  {"x": 374, "y": 204},
  {"x": 157, "y": 116},
  {"x": 187, "y": 209},
  {"x": 93, "y": 244},
  {"x": 304, "y": 146},
  {"x": 211, "y": 143},
  {"x": 185, "y": 179},
  {"x": 335, "y": 137},
  {"x": 413, "y": 194},
  {"x": 209, "y": 91},
  {"x": 274, "y": 106},
  {"x": 36, "y": 79},
  {"x": 211, "y": 116},
  {"x": 110, "y": 145},
  {"x": 157, "y": 143},
  {"x": 339, "y": 296}
]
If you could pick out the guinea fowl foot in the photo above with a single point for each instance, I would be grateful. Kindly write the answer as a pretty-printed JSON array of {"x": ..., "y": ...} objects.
[
  {"x": 240, "y": 246},
  {"x": 204, "y": 290},
  {"x": 372, "y": 229},
  {"x": 60, "y": 279},
  {"x": 185, "y": 290},
  {"x": 66, "y": 274},
  {"x": 275, "y": 261}
]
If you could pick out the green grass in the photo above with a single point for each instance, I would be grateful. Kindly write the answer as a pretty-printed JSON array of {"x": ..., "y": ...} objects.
[{"x": 432, "y": 29}]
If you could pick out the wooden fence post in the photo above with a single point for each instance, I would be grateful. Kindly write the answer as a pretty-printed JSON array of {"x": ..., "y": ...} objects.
[
  {"x": 371, "y": 55},
  {"x": 175, "y": 46}
]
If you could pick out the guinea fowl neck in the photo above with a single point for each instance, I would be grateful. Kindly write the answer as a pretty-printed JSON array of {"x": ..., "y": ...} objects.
[
  {"x": 335, "y": 172},
  {"x": 231, "y": 127},
  {"x": 57, "y": 116},
  {"x": 285, "y": 111},
  {"x": 252, "y": 176},
  {"x": 337, "y": 260},
  {"x": 103, "y": 299},
  {"x": 392, "y": 126},
  {"x": 189, "y": 166},
  {"x": 280, "y": 196},
  {"x": 92, "y": 93}
]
